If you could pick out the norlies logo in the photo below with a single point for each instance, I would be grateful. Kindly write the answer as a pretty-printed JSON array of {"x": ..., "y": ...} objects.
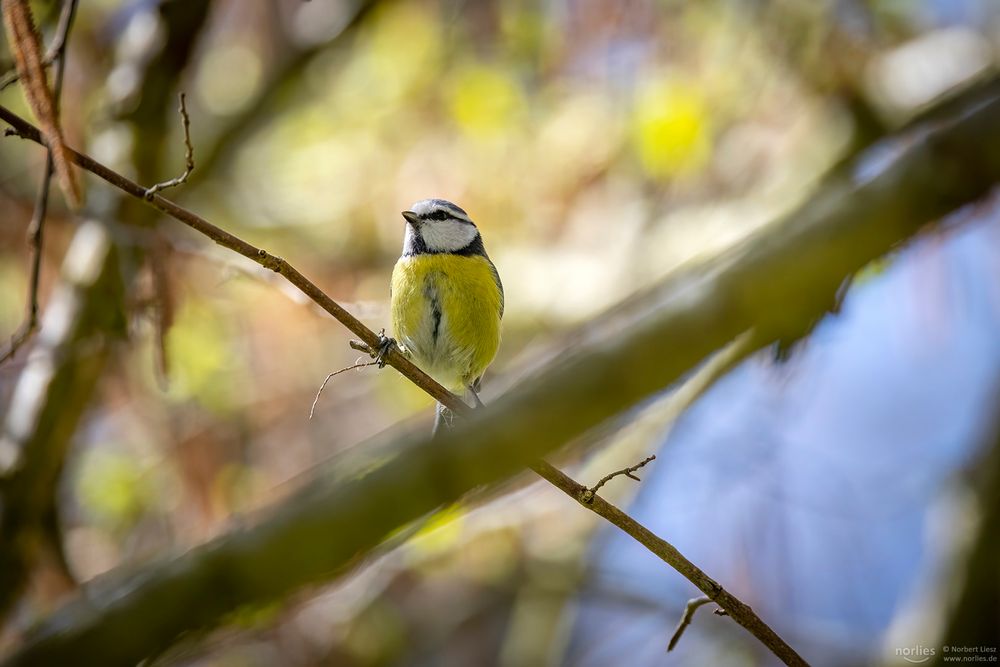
[{"x": 916, "y": 654}]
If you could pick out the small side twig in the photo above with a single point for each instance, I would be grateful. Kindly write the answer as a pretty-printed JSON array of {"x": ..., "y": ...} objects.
[
  {"x": 689, "y": 609},
  {"x": 588, "y": 495},
  {"x": 359, "y": 364},
  {"x": 360, "y": 346},
  {"x": 188, "y": 155}
]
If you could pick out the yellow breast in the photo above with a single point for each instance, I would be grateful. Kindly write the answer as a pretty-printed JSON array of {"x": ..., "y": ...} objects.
[{"x": 446, "y": 314}]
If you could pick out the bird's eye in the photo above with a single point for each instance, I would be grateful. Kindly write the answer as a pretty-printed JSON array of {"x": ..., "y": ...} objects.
[{"x": 438, "y": 215}]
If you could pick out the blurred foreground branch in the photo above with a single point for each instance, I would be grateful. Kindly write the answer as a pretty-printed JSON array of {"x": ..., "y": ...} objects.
[{"x": 777, "y": 283}]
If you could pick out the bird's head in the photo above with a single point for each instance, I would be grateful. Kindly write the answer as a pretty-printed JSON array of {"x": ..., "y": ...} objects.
[{"x": 437, "y": 226}]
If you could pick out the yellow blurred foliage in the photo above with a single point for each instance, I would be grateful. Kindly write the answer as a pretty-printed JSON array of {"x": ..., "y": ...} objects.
[
  {"x": 671, "y": 128},
  {"x": 485, "y": 100},
  {"x": 401, "y": 52},
  {"x": 201, "y": 358},
  {"x": 113, "y": 487}
]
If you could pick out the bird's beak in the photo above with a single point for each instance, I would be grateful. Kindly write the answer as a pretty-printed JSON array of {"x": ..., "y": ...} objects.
[{"x": 411, "y": 217}]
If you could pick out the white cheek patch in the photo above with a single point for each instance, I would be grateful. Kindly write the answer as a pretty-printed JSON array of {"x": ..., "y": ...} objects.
[{"x": 447, "y": 235}]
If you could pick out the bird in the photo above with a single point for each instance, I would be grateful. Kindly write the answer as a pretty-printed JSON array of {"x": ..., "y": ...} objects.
[{"x": 446, "y": 300}]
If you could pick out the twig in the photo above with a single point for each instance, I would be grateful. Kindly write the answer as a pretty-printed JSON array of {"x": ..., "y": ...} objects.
[
  {"x": 56, "y": 48},
  {"x": 25, "y": 44},
  {"x": 188, "y": 155},
  {"x": 37, "y": 225},
  {"x": 741, "y": 612},
  {"x": 342, "y": 370},
  {"x": 689, "y": 609},
  {"x": 159, "y": 255},
  {"x": 360, "y": 346},
  {"x": 376, "y": 353},
  {"x": 588, "y": 495},
  {"x": 13, "y": 76}
]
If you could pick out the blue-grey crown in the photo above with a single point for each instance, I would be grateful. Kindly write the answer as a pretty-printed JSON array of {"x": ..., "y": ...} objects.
[{"x": 439, "y": 209}]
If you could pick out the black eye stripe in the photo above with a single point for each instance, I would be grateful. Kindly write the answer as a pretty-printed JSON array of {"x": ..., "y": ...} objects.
[{"x": 441, "y": 215}]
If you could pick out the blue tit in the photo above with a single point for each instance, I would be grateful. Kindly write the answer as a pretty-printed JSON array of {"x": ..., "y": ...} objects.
[{"x": 447, "y": 299}]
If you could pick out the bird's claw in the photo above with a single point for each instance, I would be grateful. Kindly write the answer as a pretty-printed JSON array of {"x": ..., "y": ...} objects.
[{"x": 384, "y": 345}]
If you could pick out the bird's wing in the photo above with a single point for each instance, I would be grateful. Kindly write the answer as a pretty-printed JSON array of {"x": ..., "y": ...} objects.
[{"x": 496, "y": 278}]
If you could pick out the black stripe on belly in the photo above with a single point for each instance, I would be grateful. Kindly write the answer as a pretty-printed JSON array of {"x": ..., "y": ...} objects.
[
  {"x": 430, "y": 293},
  {"x": 436, "y": 316}
]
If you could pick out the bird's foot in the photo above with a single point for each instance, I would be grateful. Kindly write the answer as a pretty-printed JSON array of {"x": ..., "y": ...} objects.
[{"x": 384, "y": 345}]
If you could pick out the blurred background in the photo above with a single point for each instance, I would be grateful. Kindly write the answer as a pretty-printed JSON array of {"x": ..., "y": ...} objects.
[{"x": 598, "y": 146}]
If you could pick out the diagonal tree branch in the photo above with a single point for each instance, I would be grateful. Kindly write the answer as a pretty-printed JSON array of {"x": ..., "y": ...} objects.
[
  {"x": 740, "y": 611},
  {"x": 777, "y": 283}
]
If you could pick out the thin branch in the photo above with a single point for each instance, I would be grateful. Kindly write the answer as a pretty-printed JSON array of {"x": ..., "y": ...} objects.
[
  {"x": 13, "y": 76},
  {"x": 188, "y": 155},
  {"x": 740, "y": 611},
  {"x": 588, "y": 495},
  {"x": 56, "y": 48},
  {"x": 689, "y": 609},
  {"x": 851, "y": 221},
  {"x": 359, "y": 364},
  {"x": 25, "y": 44},
  {"x": 37, "y": 225}
]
